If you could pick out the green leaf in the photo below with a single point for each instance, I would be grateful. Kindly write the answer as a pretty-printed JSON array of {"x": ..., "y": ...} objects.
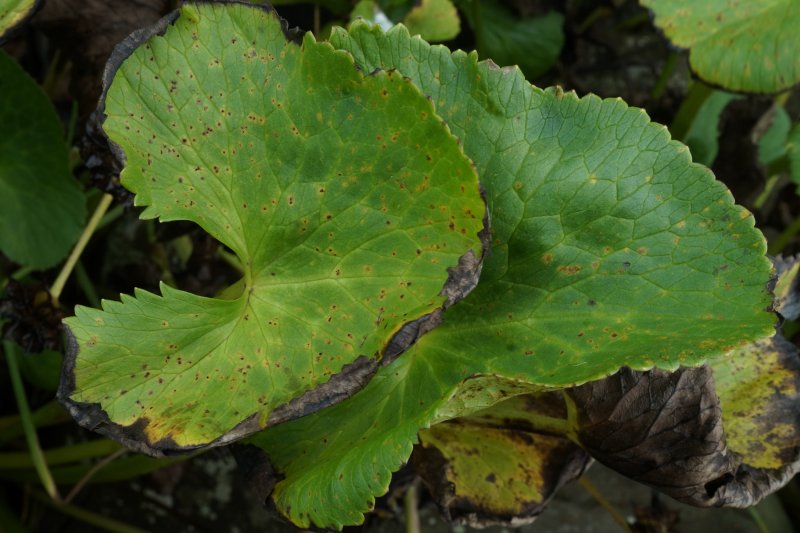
[
  {"x": 772, "y": 144},
  {"x": 533, "y": 43},
  {"x": 604, "y": 245},
  {"x": 12, "y": 12},
  {"x": 609, "y": 248},
  {"x": 742, "y": 46},
  {"x": 433, "y": 20},
  {"x": 495, "y": 467},
  {"x": 703, "y": 135},
  {"x": 350, "y": 205},
  {"x": 42, "y": 208}
]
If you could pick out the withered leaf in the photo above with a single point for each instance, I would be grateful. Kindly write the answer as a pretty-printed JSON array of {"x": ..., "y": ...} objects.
[
  {"x": 668, "y": 430},
  {"x": 494, "y": 467}
]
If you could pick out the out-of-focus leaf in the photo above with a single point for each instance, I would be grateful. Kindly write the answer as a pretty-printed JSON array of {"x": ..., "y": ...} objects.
[
  {"x": 772, "y": 144},
  {"x": 42, "y": 207},
  {"x": 42, "y": 369},
  {"x": 495, "y": 467},
  {"x": 370, "y": 11},
  {"x": 352, "y": 208},
  {"x": 364, "y": 9},
  {"x": 12, "y": 12},
  {"x": 533, "y": 43},
  {"x": 434, "y": 20},
  {"x": 569, "y": 293},
  {"x": 741, "y": 46},
  {"x": 787, "y": 286},
  {"x": 703, "y": 135}
]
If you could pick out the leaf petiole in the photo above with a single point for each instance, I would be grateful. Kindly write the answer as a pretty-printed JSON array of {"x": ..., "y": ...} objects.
[
  {"x": 66, "y": 270},
  {"x": 12, "y": 351}
]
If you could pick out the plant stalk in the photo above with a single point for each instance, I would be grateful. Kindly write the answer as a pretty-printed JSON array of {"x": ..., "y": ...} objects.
[
  {"x": 103, "y": 522},
  {"x": 60, "y": 456},
  {"x": 411, "y": 504},
  {"x": 783, "y": 240},
  {"x": 666, "y": 74},
  {"x": 604, "y": 503},
  {"x": 66, "y": 270},
  {"x": 49, "y": 414},
  {"x": 94, "y": 470},
  {"x": 695, "y": 98},
  {"x": 12, "y": 352}
]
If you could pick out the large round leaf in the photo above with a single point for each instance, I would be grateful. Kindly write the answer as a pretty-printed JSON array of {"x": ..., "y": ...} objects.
[
  {"x": 741, "y": 46},
  {"x": 41, "y": 206},
  {"x": 344, "y": 196},
  {"x": 609, "y": 248}
]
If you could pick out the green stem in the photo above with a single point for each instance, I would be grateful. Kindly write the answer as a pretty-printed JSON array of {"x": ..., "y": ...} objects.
[
  {"x": 550, "y": 424},
  {"x": 73, "y": 122},
  {"x": 597, "y": 13},
  {"x": 666, "y": 74},
  {"x": 112, "y": 215},
  {"x": 477, "y": 27},
  {"x": 694, "y": 100},
  {"x": 120, "y": 470},
  {"x": 103, "y": 522},
  {"x": 632, "y": 22},
  {"x": 66, "y": 270},
  {"x": 783, "y": 240},
  {"x": 91, "y": 473},
  {"x": 22, "y": 272},
  {"x": 18, "y": 275},
  {"x": 12, "y": 352},
  {"x": 54, "y": 71},
  {"x": 572, "y": 417},
  {"x": 49, "y": 414},
  {"x": 60, "y": 456},
  {"x": 411, "y": 504},
  {"x": 760, "y": 524},
  {"x": 232, "y": 261},
  {"x": 774, "y": 183},
  {"x": 604, "y": 503},
  {"x": 781, "y": 99},
  {"x": 86, "y": 284}
]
